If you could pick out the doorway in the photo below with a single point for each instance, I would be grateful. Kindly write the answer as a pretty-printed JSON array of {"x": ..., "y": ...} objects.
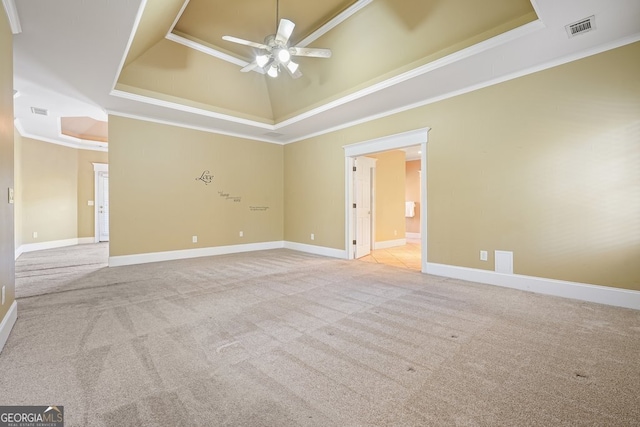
[
  {"x": 352, "y": 152},
  {"x": 101, "y": 215}
]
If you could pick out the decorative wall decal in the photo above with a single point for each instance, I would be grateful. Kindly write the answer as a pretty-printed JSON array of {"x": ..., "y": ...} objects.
[
  {"x": 227, "y": 196},
  {"x": 206, "y": 177},
  {"x": 258, "y": 208}
]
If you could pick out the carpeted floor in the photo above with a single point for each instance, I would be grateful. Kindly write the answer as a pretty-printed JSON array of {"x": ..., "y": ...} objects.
[{"x": 281, "y": 338}]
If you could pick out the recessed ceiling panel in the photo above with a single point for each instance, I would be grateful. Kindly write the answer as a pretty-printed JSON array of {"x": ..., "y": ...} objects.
[{"x": 85, "y": 128}]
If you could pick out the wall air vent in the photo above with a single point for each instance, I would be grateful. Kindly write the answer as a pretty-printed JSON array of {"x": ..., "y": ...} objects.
[
  {"x": 41, "y": 111},
  {"x": 582, "y": 26}
]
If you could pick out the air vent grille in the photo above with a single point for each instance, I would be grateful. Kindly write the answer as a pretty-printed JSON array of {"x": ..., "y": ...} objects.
[
  {"x": 40, "y": 111},
  {"x": 581, "y": 27}
]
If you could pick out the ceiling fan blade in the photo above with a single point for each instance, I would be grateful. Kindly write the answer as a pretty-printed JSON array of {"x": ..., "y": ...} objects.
[
  {"x": 285, "y": 29},
  {"x": 295, "y": 75},
  {"x": 311, "y": 52},
  {"x": 245, "y": 42}
]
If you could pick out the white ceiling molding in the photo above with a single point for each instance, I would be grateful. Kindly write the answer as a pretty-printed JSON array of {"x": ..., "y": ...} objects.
[
  {"x": 339, "y": 19},
  {"x": 175, "y": 21},
  {"x": 442, "y": 62},
  {"x": 187, "y": 126},
  {"x": 134, "y": 30},
  {"x": 12, "y": 15},
  {"x": 65, "y": 140},
  {"x": 189, "y": 109},
  {"x": 207, "y": 50}
]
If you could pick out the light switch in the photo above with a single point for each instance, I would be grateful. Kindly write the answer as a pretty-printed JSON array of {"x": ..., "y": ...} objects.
[
  {"x": 90, "y": 202},
  {"x": 10, "y": 195}
]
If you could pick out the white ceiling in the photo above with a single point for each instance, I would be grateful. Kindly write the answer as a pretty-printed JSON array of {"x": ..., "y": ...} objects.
[{"x": 69, "y": 53}]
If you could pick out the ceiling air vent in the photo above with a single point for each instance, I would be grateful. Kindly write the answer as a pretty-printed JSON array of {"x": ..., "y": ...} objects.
[
  {"x": 41, "y": 111},
  {"x": 582, "y": 26}
]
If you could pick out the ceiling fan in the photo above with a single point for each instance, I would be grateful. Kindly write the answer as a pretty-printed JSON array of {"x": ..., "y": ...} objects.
[{"x": 276, "y": 52}]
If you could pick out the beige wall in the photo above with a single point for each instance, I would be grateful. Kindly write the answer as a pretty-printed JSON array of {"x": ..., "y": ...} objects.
[
  {"x": 86, "y": 189},
  {"x": 49, "y": 191},
  {"x": 545, "y": 166},
  {"x": 389, "y": 195},
  {"x": 314, "y": 193},
  {"x": 412, "y": 193},
  {"x": 7, "y": 254},
  {"x": 158, "y": 204}
]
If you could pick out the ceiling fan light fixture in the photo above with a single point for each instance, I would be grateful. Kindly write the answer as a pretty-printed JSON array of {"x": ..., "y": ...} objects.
[
  {"x": 283, "y": 56},
  {"x": 292, "y": 66},
  {"x": 273, "y": 71},
  {"x": 262, "y": 60}
]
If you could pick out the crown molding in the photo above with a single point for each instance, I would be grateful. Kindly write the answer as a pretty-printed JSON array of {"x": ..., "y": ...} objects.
[{"x": 12, "y": 15}]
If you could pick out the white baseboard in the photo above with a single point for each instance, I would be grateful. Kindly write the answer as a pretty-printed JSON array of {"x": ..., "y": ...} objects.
[
  {"x": 580, "y": 291},
  {"x": 386, "y": 244},
  {"x": 31, "y": 247},
  {"x": 18, "y": 251},
  {"x": 413, "y": 236},
  {"x": 86, "y": 240},
  {"x": 317, "y": 250},
  {"x": 7, "y": 324},
  {"x": 117, "y": 261}
]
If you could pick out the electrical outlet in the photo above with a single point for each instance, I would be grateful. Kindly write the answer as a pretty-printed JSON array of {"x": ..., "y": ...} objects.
[
  {"x": 35, "y": 234},
  {"x": 395, "y": 232},
  {"x": 90, "y": 202},
  {"x": 11, "y": 195},
  {"x": 242, "y": 234},
  {"x": 194, "y": 239},
  {"x": 313, "y": 236},
  {"x": 483, "y": 255}
]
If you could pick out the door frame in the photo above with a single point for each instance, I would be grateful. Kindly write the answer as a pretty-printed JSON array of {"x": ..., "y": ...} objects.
[
  {"x": 372, "y": 146},
  {"x": 97, "y": 169}
]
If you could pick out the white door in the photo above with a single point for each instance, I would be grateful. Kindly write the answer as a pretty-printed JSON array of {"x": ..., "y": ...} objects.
[
  {"x": 363, "y": 215},
  {"x": 103, "y": 206}
]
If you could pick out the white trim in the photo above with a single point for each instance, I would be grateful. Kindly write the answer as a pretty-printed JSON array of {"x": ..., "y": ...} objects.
[
  {"x": 178, "y": 16},
  {"x": 431, "y": 66},
  {"x": 14, "y": 19},
  {"x": 386, "y": 143},
  {"x": 413, "y": 236},
  {"x": 385, "y": 244},
  {"x": 134, "y": 30},
  {"x": 317, "y": 250},
  {"x": 207, "y": 50},
  {"x": 52, "y": 244},
  {"x": 188, "y": 109},
  {"x": 100, "y": 167},
  {"x": 117, "y": 261},
  {"x": 560, "y": 288},
  {"x": 339, "y": 19},
  {"x": 187, "y": 126},
  {"x": 7, "y": 324},
  {"x": 78, "y": 145},
  {"x": 390, "y": 142}
]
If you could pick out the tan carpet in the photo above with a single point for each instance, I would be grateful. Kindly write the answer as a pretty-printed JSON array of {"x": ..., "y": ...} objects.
[{"x": 281, "y": 338}]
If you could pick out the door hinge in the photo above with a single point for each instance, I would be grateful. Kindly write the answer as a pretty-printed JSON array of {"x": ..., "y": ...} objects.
[
  {"x": 354, "y": 242},
  {"x": 354, "y": 206},
  {"x": 354, "y": 168}
]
